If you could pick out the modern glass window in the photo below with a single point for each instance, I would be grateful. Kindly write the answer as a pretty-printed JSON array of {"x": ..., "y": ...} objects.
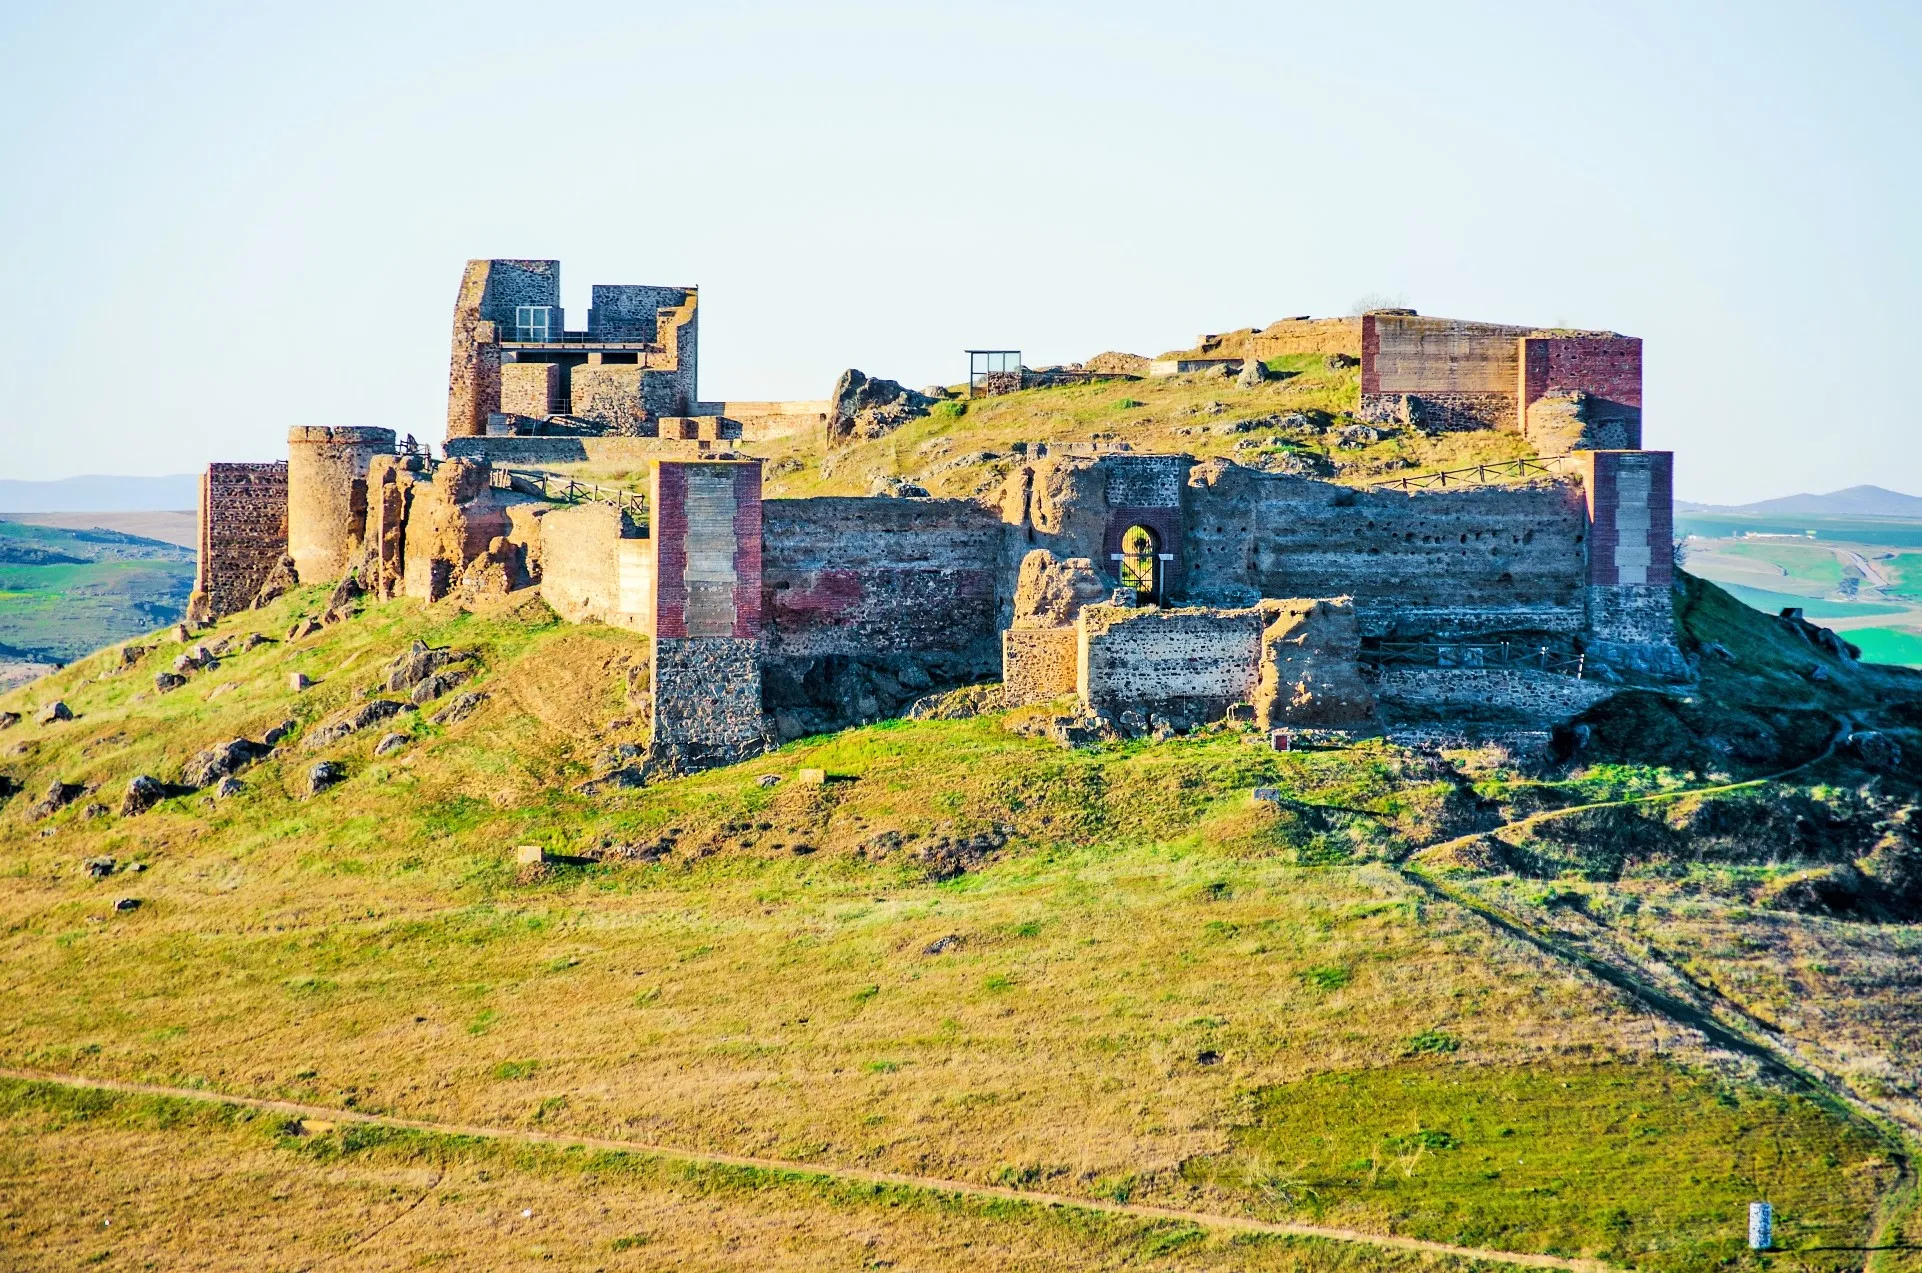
[{"x": 533, "y": 322}]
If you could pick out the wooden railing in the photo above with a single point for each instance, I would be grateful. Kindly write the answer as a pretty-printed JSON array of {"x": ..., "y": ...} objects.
[
  {"x": 563, "y": 489},
  {"x": 1477, "y": 474}
]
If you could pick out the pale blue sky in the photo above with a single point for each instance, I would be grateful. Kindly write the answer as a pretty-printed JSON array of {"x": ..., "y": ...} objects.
[{"x": 219, "y": 220}]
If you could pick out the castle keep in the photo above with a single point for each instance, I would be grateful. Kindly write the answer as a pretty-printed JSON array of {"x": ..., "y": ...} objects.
[
  {"x": 515, "y": 366},
  {"x": 1138, "y": 585}
]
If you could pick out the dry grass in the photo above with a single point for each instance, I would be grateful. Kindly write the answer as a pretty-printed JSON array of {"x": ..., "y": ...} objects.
[
  {"x": 1196, "y": 414},
  {"x": 157, "y": 1184},
  {"x": 1140, "y": 969}
]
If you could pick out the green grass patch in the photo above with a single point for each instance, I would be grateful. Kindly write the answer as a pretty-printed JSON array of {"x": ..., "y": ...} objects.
[{"x": 1560, "y": 1158}]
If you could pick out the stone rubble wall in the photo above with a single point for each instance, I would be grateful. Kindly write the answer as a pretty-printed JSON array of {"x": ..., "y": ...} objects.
[
  {"x": 531, "y": 388},
  {"x": 1442, "y": 411},
  {"x": 707, "y": 702},
  {"x": 1190, "y": 662},
  {"x": 1039, "y": 665},
  {"x": 1309, "y": 672},
  {"x": 610, "y": 394},
  {"x": 455, "y": 520},
  {"x": 243, "y": 534},
  {"x": 624, "y": 311},
  {"x": 854, "y": 576},
  {"x": 1561, "y": 422},
  {"x": 1543, "y": 696},
  {"x": 1417, "y": 564}
]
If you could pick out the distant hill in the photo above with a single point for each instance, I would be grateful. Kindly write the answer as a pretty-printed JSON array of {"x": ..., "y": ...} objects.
[
  {"x": 97, "y": 493},
  {"x": 69, "y": 592},
  {"x": 1853, "y": 501}
]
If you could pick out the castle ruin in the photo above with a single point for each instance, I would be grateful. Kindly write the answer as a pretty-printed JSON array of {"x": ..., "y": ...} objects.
[{"x": 1153, "y": 584}]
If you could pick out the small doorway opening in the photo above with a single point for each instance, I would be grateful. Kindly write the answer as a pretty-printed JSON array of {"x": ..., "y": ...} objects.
[{"x": 1140, "y": 563}]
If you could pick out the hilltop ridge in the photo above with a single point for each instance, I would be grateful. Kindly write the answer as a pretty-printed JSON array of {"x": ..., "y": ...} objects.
[{"x": 1099, "y": 972}]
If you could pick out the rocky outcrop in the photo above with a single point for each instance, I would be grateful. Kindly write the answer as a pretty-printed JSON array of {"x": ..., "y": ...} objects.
[
  {"x": 205, "y": 768},
  {"x": 1050, "y": 592},
  {"x": 352, "y": 721},
  {"x": 1114, "y": 363},
  {"x": 439, "y": 685},
  {"x": 459, "y": 710},
  {"x": 417, "y": 663},
  {"x": 143, "y": 793},
  {"x": 280, "y": 581},
  {"x": 1253, "y": 372},
  {"x": 1310, "y": 674},
  {"x": 864, "y": 407},
  {"x": 59, "y": 796}
]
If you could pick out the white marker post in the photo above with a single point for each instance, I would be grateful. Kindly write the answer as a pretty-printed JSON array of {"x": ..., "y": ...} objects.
[{"x": 1761, "y": 1226}]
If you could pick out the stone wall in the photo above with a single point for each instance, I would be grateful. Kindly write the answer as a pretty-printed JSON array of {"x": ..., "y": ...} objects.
[
  {"x": 327, "y": 495},
  {"x": 597, "y": 566},
  {"x": 243, "y": 534},
  {"x": 531, "y": 388},
  {"x": 1459, "y": 373},
  {"x": 620, "y": 311},
  {"x": 1487, "y": 559},
  {"x": 1542, "y": 696},
  {"x": 1193, "y": 663},
  {"x": 850, "y": 576},
  {"x": 610, "y": 394},
  {"x": 1606, "y": 367},
  {"x": 1039, "y": 665},
  {"x": 871, "y": 603},
  {"x": 707, "y": 702},
  {"x": 488, "y": 295},
  {"x": 1417, "y": 564}
]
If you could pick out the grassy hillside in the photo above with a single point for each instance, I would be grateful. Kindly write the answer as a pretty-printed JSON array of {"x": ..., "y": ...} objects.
[
  {"x": 65, "y": 593},
  {"x": 964, "y": 447},
  {"x": 969, "y": 956}
]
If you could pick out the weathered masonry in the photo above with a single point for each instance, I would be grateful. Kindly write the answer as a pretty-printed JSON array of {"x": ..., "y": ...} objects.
[
  {"x": 1561, "y": 389},
  {"x": 1136, "y": 583},
  {"x": 515, "y": 368},
  {"x": 1481, "y": 597},
  {"x": 243, "y": 532}
]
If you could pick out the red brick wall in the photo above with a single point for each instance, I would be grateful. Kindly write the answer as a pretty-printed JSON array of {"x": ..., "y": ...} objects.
[
  {"x": 670, "y": 529},
  {"x": 1625, "y": 528},
  {"x": 1608, "y": 367},
  {"x": 1370, "y": 355}
]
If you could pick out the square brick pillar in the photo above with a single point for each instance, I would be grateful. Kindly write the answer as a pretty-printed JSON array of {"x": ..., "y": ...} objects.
[
  {"x": 1631, "y": 560},
  {"x": 705, "y": 525}
]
